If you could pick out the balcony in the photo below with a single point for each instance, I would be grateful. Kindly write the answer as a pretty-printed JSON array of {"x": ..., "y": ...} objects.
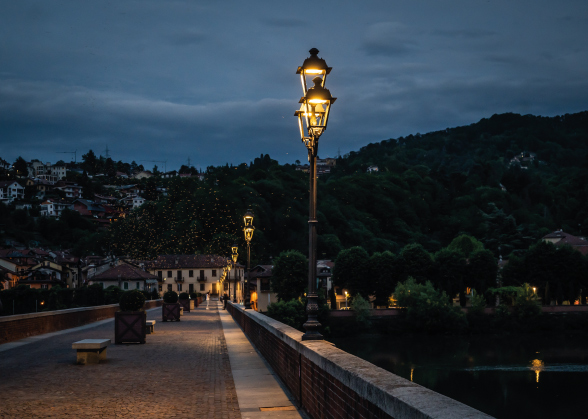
[
  {"x": 179, "y": 279},
  {"x": 202, "y": 278}
]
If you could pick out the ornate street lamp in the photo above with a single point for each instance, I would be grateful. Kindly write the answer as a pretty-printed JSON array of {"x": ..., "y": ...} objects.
[
  {"x": 229, "y": 267},
  {"x": 313, "y": 116},
  {"x": 234, "y": 255},
  {"x": 248, "y": 230}
]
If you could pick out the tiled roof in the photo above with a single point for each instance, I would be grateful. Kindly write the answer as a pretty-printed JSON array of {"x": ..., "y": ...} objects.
[
  {"x": 261, "y": 271},
  {"x": 126, "y": 272},
  {"x": 578, "y": 243},
  {"x": 187, "y": 261}
]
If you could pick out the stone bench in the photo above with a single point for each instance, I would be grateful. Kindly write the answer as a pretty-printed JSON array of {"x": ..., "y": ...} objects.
[
  {"x": 150, "y": 326},
  {"x": 91, "y": 351}
]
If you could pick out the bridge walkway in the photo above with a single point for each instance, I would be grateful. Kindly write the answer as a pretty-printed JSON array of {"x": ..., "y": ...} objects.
[{"x": 200, "y": 367}]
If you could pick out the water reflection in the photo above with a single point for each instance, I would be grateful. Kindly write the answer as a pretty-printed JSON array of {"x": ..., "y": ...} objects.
[
  {"x": 537, "y": 366},
  {"x": 497, "y": 375}
]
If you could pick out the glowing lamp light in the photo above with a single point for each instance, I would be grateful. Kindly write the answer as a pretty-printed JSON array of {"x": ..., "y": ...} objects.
[
  {"x": 312, "y": 66},
  {"x": 315, "y": 107},
  {"x": 234, "y": 252},
  {"x": 249, "y": 229}
]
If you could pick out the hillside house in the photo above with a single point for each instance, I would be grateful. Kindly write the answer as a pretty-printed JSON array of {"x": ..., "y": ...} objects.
[
  {"x": 11, "y": 190},
  {"x": 126, "y": 276},
  {"x": 560, "y": 238}
]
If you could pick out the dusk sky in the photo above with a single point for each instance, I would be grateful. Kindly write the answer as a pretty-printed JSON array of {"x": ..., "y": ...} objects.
[{"x": 215, "y": 81}]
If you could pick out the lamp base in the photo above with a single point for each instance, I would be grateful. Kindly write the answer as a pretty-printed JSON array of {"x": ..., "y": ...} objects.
[
  {"x": 312, "y": 330},
  {"x": 312, "y": 336}
]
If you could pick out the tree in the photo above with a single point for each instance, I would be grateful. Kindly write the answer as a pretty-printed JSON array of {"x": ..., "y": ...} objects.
[
  {"x": 90, "y": 162},
  {"x": 150, "y": 193},
  {"x": 482, "y": 271},
  {"x": 289, "y": 275},
  {"x": 416, "y": 262},
  {"x": 450, "y": 269},
  {"x": 110, "y": 167},
  {"x": 384, "y": 276},
  {"x": 465, "y": 245},
  {"x": 20, "y": 167},
  {"x": 351, "y": 271}
]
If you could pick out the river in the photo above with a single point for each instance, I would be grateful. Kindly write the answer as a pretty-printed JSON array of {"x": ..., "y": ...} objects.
[{"x": 518, "y": 376}]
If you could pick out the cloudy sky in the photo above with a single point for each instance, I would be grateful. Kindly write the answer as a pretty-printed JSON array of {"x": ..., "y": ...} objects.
[{"x": 215, "y": 82}]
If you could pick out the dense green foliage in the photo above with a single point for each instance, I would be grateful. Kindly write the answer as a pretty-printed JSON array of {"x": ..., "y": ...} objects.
[
  {"x": 170, "y": 297},
  {"x": 291, "y": 312},
  {"x": 448, "y": 270},
  {"x": 361, "y": 311},
  {"x": 429, "y": 189},
  {"x": 184, "y": 296},
  {"x": 558, "y": 273},
  {"x": 289, "y": 275},
  {"x": 133, "y": 300},
  {"x": 428, "y": 309}
]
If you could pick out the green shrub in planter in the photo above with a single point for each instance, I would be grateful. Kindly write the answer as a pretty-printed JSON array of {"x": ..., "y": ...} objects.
[
  {"x": 170, "y": 297},
  {"x": 132, "y": 301},
  {"x": 184, "y": 296},
  {"x": 193, "y": 295},
  {"x": 129, "y": 323},
  {"x": 154, "y": 295}
]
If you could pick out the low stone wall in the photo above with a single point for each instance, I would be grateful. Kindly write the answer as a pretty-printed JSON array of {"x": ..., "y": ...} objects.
[
  {"x": 24, "y": 325},
  {"x": 330, "y": 383}
]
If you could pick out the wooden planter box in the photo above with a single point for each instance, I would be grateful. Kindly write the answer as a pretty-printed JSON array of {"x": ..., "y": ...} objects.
[
  {"x": 170, "y": 312},
  {"x": 187, "y": 305},
  {"x": 129, "y": 327}
]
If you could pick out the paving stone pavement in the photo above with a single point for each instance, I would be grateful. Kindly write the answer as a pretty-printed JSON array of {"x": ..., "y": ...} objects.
[{"x": 183, "y": 371}]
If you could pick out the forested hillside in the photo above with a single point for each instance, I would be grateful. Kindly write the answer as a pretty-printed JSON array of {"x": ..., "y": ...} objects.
[{"x": 428, "y": 189}]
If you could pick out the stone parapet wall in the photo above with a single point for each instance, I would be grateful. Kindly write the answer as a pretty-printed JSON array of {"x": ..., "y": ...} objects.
[
  {"x": 24, "y": 325},
  {"x": 330, "y": 383}
]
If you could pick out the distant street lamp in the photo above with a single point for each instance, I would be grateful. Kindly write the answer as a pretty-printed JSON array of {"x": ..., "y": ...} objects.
[
  {"x": 346, "y": 308},
  {"x": 248, "y": 230},
  {"x": 234, "y": 255},
  {"x": 313, "y": 116}
]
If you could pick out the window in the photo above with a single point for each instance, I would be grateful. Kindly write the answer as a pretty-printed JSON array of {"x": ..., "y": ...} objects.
[
  {"x": 169, "y": 274},
  {"x": 201, "y": 287},
  {"x": 138, "y": 286},
  {"x": 214, "y": 272},
  {"x": 179, "y": 287},
  {"x": 160, "y": 275},
  {"x": 265, "y": 284},
  {"x": 179, "y": 275},
  {"x": 169, "y": 287},
  {"x": 125, "y": 285},
  {"x": 202, "y": 274},
  {"x": 191, "y": 288},
  {"x": 44, "y": 286},
  {"x": 191, "y": 274}
]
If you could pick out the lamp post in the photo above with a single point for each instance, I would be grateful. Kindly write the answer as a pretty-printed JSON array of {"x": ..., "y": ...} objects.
[
  {"x": 312, "y": 121},
  {"x": 229, "y": 268},
  {"x": 234, "y": 255},
  {"x": 248, "y": 230}
]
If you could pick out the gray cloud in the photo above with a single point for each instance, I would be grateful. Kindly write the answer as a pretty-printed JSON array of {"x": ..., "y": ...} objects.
[
  {"x": 388, "y": 38},
  {"x": 215, "y": 81},
  {"x": 189, "y": 37}
]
